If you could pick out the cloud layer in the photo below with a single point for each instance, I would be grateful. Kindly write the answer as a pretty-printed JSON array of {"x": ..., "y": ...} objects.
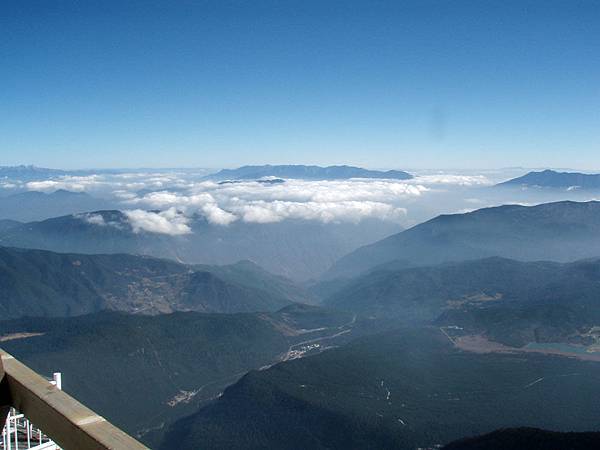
[
  {"x": 254, "y": 202},
  {"x": 166, "y": 202}
]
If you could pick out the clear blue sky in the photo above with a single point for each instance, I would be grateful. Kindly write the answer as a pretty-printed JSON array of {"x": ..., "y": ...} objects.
[{"x": 374, "y": 83}]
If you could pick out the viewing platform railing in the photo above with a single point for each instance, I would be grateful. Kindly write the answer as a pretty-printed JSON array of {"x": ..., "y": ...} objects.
[{"x": 67, "y": 422}]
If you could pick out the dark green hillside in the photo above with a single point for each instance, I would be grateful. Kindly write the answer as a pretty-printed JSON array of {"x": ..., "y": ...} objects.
[
  {"x": 42, "y": 283},
  {"x": 562, "y": 231},
  {"x": 517, "y": 324},
  {"x": 400, "y": 390},
  {"x": 140, "y": 371},
  {"x": 128, "y": 368},
  {"x": 510, "y": 301},
  {"x": 253, "y": 276},
  {"x": 528, "y": 439},
  {"x": 310, "y": 317}
]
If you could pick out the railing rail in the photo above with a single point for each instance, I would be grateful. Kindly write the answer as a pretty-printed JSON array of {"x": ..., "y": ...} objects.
[{"x": 66, "y": 421}]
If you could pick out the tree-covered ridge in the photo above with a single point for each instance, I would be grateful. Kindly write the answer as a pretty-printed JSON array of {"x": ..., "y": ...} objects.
[
  {"x": 399, "y": 390},
  {"x": 560, "y": 231},
  {"x": 510, "y": 301},
  {"x": 42, "y": 283},
  {"x": 144, "y": 371}
]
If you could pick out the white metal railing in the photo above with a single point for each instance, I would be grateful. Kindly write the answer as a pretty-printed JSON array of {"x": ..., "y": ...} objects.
[{"x": 20, "y": 434}]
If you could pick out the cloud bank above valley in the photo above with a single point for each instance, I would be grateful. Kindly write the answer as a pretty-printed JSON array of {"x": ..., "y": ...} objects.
[
  {"x": 164, "y": 202},
  {"x": 167, "y": 202},
  {"x": 256, "y": 202}
]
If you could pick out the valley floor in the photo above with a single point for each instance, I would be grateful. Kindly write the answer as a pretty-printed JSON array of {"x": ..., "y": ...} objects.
[{"x": 480, "y": 344}]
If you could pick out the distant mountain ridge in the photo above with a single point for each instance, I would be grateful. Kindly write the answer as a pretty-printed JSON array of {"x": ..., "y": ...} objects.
[
  {"x": 33, "y": 205},
  {"x": 47, "y": 284},
  {"x": 29, "y": 172},
  {"x": 307, "y": 173},
  {"x": 296, "y": 249},
  {"x": 561, "y": 231},
  {"x": 553, "y": 179}
]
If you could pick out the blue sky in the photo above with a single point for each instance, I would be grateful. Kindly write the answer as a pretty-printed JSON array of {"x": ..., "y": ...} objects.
[{"x": 402, "y": 84}]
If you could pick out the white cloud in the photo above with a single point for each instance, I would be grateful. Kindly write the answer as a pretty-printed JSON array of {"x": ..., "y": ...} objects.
[
  {"x": 218, "y": 216},
  {"x": 317, "y": 191},
  {"x": 474, "y": 201},
  {"x": 122, "y": 194},
  {"x": 169, "y": 222},
  {"x": 110, "y": 183},
  {"x": 75, "y": 184},
  {"x": 94, "y": 219},
  {"x": 99, "y": 220},
  {"x": 325, "y": 201},
  {"x": 346, "y": 211},
  {"x": 451, "y": 179},
  {"x": 203, "y": 203}
]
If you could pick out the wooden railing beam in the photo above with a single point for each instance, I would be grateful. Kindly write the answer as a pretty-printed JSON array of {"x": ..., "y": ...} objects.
[{"x": 66, "y": 421}]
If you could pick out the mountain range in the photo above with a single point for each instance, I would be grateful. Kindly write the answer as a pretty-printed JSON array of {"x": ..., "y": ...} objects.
[
  {"x": 306, "y": 173},
  {"x": 561, "y": 231},
  {"x": 297, "y": 249},
  {"x": 43, "y": 283},
  {"x": 553, "y": 179}
]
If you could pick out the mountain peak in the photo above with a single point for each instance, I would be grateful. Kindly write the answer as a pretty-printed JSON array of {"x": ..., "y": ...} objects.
[{"x": 552, "y": 179}]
